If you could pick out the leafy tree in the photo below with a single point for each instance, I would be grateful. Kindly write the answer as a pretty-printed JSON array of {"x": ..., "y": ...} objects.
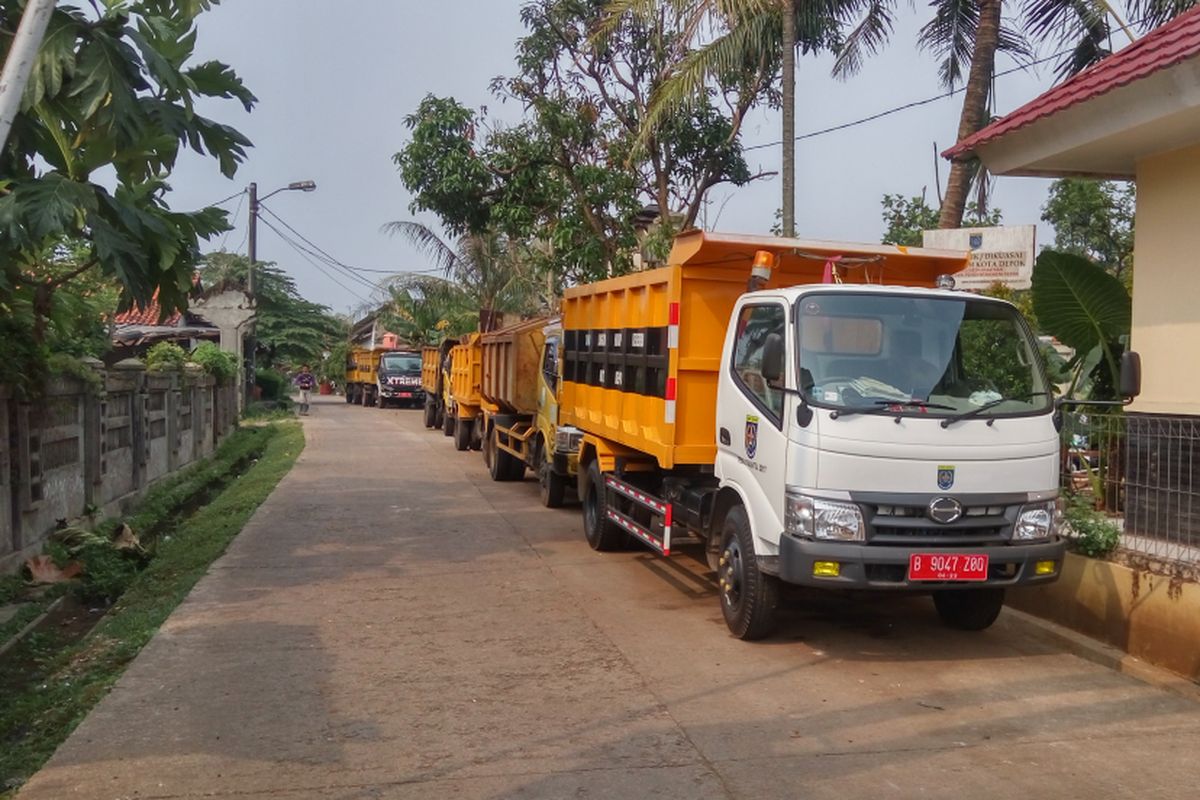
[
  {"x": 574, "y": 175},
  {"x": 1094, "y": 219},
  {"x": 1090, "y": 311},
  {"x": 289, "y": 330},
  {"x": 110, "y": 103},
  {"x": 907, "y": 217}
]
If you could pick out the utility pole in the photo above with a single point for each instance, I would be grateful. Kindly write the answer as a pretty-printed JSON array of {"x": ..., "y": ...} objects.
[
  {"x": 19, "y": 64},
  {"x": 252, "y": 252}
]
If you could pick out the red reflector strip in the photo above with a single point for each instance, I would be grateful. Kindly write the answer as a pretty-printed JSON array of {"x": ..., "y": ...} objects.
[
  {"x": 670, "y": 392},
  {"x": 633, "y": 494},
  {"x": 673, "y": 314},
  {"x": 636, "y": 530}
]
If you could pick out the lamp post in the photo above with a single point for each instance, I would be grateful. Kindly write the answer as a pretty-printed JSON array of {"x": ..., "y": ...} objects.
[{"x": 252, "y": 253}]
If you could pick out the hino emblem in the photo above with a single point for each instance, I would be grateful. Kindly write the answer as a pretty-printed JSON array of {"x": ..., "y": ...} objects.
[{"x": 945, "y": 510}]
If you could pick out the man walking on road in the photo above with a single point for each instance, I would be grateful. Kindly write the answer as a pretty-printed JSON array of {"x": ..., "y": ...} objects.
[{"x": 305, "y": 381}]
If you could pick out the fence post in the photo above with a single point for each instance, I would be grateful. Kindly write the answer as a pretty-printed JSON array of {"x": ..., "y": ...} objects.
[
  {"x": 95, "y": 400},
  {"x": 136, "y": 370}
]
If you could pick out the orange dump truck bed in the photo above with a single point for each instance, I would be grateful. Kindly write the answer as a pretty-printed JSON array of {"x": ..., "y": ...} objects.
[
  {"x": 511, "y": 361},
  {"x": 465, "y": 368},
  {"x": 642, "y": 352}
]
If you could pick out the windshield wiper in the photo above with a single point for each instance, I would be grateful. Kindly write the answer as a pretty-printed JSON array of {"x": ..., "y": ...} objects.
[
  {"x": 974, "y": 412},
  {"x": 914, "y": 403},
  {"x": 880, "y": 407}
]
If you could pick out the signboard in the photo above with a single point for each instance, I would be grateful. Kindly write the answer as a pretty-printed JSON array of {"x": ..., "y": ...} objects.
[{"x": 998, "y": 255}]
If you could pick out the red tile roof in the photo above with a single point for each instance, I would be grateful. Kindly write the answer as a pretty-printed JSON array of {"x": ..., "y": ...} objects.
[
  {"x": 148, "y": 315},
  {"x": 1162, "y": 47}
]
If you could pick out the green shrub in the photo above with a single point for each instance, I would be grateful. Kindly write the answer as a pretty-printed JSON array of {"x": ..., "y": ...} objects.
[
  {"x": 165, "y": 357},
  {"x": 1095, "y": 535},
  {"x": 216, "y": 362},
  {"x": 274, "y": 385},
  {"x": 107, "y": 572},
  {"x": 11, "y": 588}
]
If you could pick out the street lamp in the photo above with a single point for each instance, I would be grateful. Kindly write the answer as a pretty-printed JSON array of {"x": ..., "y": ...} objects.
[{"x": 255, "y": 203}]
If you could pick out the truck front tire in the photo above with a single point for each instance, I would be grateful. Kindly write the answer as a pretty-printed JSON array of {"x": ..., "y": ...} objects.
[
  {"x": 430, "y": 419},
  {"x": 462, "y": 434},
  {"x": 749, "y": 597},
  {"x": 968, "y": 609},
  {"x": 601, "y": 532},
  {"x": 551, "y": 485}
]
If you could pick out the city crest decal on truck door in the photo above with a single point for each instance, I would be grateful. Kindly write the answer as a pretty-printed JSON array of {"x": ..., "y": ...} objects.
[
  {"x": 945, "y": 476},
  {"x": 751, "y": 436}
]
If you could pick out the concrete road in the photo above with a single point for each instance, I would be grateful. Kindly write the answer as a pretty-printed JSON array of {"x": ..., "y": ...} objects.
[{"x": 391, "y": 624}]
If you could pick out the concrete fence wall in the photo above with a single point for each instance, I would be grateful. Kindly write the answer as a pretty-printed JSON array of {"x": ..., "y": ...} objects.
[{"x": 82, "y": 447}]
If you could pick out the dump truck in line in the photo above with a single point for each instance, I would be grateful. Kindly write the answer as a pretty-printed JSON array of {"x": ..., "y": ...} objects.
[
  {"x": 435, "y": 381},
  {"x": 384, "y": 376},
  {"x": 519, "y": 380}
]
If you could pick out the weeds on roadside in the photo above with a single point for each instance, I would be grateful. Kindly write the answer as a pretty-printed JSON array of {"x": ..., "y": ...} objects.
[{"x": 1094, "y": 535}]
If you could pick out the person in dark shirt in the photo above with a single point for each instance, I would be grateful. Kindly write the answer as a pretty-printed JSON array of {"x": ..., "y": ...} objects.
[{"x": 305, "y": 381}]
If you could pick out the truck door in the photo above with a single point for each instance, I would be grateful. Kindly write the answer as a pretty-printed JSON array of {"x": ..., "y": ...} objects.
[
  {"x": 751, "y": 431},
  {"x": 548, "y": 387}
]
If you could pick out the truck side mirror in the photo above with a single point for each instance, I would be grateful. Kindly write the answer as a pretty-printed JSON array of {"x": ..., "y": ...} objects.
[
  {"x": 1131, "y": 374},
  {"x": 772, "y": 359}
]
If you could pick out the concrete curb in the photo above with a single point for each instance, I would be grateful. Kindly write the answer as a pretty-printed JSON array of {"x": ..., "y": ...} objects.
[{"x": 1100, "y": 653}]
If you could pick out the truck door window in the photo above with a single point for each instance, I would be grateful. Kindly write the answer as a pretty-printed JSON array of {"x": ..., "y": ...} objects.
[
  {"x": 754, "y": 324},
  {"x": 550, "y": 363}
]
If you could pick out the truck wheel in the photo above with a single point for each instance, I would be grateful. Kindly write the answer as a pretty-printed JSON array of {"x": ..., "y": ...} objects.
[
  {"x": 430, "y": 419},
  {"x": 349, "y": 395},
  {"x": 749, "y": 597},
  {"x": 553, "y": 486},
  {"x": 601, "y": 532},
  {"x": 462, "y": 434},
  {"x": 968, "y": 609},
  {"x": 448, "y": 423},
  {"x": 438, "y": 416}
]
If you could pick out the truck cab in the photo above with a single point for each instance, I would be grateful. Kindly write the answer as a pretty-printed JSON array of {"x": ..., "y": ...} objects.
[
  {"x": 398, "y": 379},
  {"x": 889, "y": 438}
]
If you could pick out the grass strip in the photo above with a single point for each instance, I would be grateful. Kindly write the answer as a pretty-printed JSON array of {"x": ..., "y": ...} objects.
[{"x": 73, "y": 679}]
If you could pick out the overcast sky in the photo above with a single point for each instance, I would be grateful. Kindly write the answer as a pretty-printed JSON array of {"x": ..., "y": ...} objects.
[{"x": 335, "y": 80}]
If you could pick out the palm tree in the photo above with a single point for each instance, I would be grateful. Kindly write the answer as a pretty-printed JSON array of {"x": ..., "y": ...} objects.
[
  {"x": 970, "y": 34},
  {"x": 487, "y": 267}
]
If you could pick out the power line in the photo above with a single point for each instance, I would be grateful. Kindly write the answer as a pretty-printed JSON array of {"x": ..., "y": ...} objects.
[
  {"x": 227, "y": 199},
  {"x": 906, "y": 106},
  {"x": 320, "y": 268},
  {"x": 325, "y": 256},
  {"x": 237, "y": 214},
  {"x": 309, "y": 254}
]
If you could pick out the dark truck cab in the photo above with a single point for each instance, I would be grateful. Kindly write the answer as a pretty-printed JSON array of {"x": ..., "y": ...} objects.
[{"x": 399, "y": 379}]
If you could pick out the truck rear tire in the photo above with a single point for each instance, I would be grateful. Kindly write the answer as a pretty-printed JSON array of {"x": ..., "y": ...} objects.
[
  {"x": 749, "y": 596},
  {"x": 968, "y": 609},
  {"x": 462, "y": 434},
  {"x": 447, "y": 423},
  {"x": 602, "y": 533},
  {"x": 553, "y": 486},
  {"x": 430, "y": 418}
]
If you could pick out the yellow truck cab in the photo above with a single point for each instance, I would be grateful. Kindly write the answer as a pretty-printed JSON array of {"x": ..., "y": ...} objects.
[{"x": 815, "y": 413}]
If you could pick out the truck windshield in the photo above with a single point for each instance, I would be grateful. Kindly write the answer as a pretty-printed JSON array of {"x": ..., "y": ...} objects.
[
  {"x": 401, "y": 362},
  {"x": 940, "y": 356}
]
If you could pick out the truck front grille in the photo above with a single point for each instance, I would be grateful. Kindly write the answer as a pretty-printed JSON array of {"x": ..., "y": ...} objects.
[{"x": 909, "y": 525}]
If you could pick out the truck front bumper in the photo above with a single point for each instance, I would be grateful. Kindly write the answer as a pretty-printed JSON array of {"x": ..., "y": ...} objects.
[
  {"x": 886, "y": 568},
  {"x": 413, "y": 394}
]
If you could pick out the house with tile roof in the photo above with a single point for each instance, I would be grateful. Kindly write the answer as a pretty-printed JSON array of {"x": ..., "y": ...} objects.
[{"x": 1136, "y": 116}]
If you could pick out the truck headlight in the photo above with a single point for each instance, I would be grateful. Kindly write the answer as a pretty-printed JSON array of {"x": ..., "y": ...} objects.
[
  {"x": 567, "y": 439},
  {"x": 823, "y": 519},
  {"x": 1036, "y": 521}
]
